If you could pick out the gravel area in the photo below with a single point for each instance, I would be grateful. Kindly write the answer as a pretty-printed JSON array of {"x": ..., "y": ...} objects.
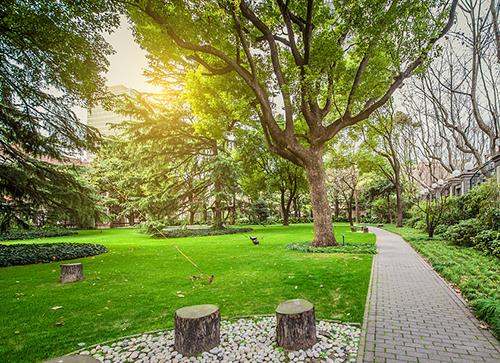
[{"x": 243, "y": 340}]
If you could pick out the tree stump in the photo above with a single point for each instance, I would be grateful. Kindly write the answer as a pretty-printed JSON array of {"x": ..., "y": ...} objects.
[
  {"x": 354, "y": 229},
  {"x": 295, "y": 325},
  {"x": 365, "y": 229},
  {"x": 197, "y": 329},
  {"x": 71, "y": 272}
]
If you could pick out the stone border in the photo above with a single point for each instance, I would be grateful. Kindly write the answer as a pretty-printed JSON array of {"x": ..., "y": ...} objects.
[
  {"x": 364, "y": 327},
  {"x": 87, "y": 347}
]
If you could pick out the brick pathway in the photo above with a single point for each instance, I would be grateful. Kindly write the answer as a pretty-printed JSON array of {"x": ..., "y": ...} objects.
[{"x": 414, "y": 316}]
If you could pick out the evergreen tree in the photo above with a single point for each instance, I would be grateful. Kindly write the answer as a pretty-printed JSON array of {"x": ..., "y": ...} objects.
[{"x": 52, "y": 58}]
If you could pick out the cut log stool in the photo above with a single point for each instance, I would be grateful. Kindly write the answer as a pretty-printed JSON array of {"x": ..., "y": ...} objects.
[
  {"x": 71, "y": 272},
  {"x": 197, "y": 329},
  {"x": 295, "y": 325}
]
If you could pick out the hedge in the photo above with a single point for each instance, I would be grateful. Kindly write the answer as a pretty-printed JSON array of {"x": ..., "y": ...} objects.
[
  {"x": 198, "y": 232},
  {"x": 369, "y": 248},
  {"x": 13, "y": 234},
  {"x": 25, "y": 254}
]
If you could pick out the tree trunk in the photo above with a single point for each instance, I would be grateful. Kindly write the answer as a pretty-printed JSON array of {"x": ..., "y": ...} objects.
[
  {"x": 336, "y": 210},
  {"x": 356, "y": 206},
  {"x": 322, "y": 215},
  {"x": 205, "y": 214},
  {"x": 71, "y": 272},
  {"x": 399, "y": 205},
  {"x": 232, "y": 219},
  {"x": 389, "y": 214},
  {"x": 295, "y": 325},
  {"x": 197, "y": 329},
  {"x": 349, "y": 212}
]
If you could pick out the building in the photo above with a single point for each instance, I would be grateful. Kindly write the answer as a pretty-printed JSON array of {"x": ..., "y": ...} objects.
[{"x": 102, "y": 119}]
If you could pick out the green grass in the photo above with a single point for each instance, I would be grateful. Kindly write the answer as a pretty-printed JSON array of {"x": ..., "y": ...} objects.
[
  {"x": 475, "y": 274},
  {"x": 136, "y": 286}
]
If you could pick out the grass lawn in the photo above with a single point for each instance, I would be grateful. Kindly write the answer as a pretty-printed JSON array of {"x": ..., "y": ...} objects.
[
  {"x": 474, "y": 273},
  {"x": 137, "y": 286}
]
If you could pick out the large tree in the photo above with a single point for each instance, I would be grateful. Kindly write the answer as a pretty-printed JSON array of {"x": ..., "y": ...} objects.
[
  {"x": 314, "y": 67},
  {"x": 383, "y": 135},
  {"x": 52, "y": 57}
]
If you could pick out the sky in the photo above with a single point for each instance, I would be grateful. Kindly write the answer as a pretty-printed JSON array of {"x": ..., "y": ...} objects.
[
  {"x": 129, "y": 62},
  {"x": 126, "y": 66}
]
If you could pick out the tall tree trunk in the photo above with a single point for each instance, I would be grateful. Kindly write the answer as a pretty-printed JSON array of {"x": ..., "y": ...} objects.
[
  {"x": 205, "y": 214},
  {"x": 336, "y": 210},
  {"x": 322, "y": 215},
  {"x": 233, "y": 211},
  {"x": 389, "y": 214},
  {"x": 356, "y": 206},
  {"x": 217, "y": 220},
  {"x": 191, "y": 216},
  {"x": 399, "y": 205},
  {"x": 286, "y": 205},
  {"x": 349, "y": 211}
]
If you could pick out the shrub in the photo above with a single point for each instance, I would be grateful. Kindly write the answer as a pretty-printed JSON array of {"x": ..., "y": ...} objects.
[
  {"x": 25, "y": 254},
  {"x": 481, "y": 202},
  {"x": 345, "y": 248},
  {"x": 461, "y": 234},
  {"x": 298, "y": 220},
  {"x": 441, "y": 229},
  {"x": 199, "y": 232},
  {"x": 488, "y": 241},
  {"x": 32, "y": 233}
]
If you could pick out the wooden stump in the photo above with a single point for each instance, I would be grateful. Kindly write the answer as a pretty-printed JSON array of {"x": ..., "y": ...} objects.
[
  {"x": 71, "y": 272},
  {"x": 197, "y": 329},
  {"x": 295, "y": 325},
  {"x": 365, "y": 229},
  {"x": 354, "y": 229}
]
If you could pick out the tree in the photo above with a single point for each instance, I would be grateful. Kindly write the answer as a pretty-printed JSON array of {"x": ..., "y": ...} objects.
[
  {"x": 460, "y": 90},
  {"x": 53, "y": 56},
  {"x": 383, "y": 135},
  {"x": 268, "y": 171},
  {"x": 330, "y": 64},
  {"x": 170, "y": 162}
]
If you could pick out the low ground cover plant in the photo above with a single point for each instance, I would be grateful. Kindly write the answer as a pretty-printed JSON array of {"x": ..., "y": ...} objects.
[
  {"x": 199, "y": 232},
  {"x": 26, "y": 254},
  {"x": 348, "y": 247},
  {"x": 17, "y": 233}
]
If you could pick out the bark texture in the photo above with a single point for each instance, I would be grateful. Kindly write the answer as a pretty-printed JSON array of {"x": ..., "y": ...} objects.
[
  {"x": 71, "y": 272},
  {"x": 295, "y": 325},
  {"x": 197, "y": 329},
  {"x": 322, "y": 214}
]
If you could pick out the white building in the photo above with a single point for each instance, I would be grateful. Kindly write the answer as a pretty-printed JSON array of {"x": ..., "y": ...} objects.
[{"x": 102, "y": 119}]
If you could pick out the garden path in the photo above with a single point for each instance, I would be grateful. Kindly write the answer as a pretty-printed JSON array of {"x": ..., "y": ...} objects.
[{"x": 413, "y": 315}]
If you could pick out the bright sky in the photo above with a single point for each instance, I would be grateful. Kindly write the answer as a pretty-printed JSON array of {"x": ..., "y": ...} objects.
[{"x": 127, "y": 65}]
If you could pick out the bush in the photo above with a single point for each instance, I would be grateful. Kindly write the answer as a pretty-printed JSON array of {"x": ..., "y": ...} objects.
[
  {"x": 488, "y": 241},
  {"x": 13, "y": 234},
  {"x": 297, "y": 220},
  {"x": 462, "y": 233},
  {"x": 199, "y": 232},
  {"x": 345, "y": 248},
  {"x": 441, "y": 229},
  {"x": 25, "y": 254}
]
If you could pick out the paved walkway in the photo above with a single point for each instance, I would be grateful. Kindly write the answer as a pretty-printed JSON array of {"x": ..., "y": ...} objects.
[{"x": 414, "y": 316}]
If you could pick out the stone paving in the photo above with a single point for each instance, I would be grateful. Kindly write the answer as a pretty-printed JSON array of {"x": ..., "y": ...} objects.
[{"x": 414, "y": 316}]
